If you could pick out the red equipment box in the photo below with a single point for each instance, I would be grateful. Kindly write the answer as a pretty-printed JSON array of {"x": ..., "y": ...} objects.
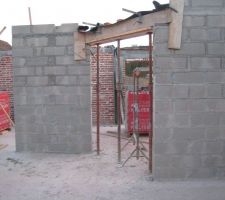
[
  {"x": 143, "y": 112},
  {"x": 4, "y": 107}
]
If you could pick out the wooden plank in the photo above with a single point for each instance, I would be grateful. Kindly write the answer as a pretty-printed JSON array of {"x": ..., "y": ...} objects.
[
  {"x": 79, "y": 46},
  {"x": 128, "y": 28},
  {"x": 175, "y": 27}
]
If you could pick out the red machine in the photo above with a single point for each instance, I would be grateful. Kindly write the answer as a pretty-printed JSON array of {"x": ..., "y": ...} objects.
[
  {"x": 4, "y": 111},
  {"x": 143, "y": 112}
]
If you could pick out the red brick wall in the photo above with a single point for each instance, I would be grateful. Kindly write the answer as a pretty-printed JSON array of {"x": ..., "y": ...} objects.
[
  {"x": 107, "y": 109},
  {"x": 6, "y": 78}
]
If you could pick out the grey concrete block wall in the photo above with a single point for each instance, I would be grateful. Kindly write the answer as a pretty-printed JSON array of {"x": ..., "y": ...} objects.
[
  {"x": 52, "y": 91},
  {"x": 189, "y": 112}
]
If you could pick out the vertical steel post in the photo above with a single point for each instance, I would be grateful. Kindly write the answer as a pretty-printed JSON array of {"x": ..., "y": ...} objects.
[
  {"x": 151, "y": 103},
  {"x": 118, "y": 102},
  {"x": 97, "y": 104}
]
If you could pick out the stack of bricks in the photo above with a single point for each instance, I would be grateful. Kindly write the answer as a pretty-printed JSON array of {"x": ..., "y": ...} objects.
[
  {"x": 6, "y": 76},
  {"x": 51, "y": 91},
  {"x": 189, "y": 124},
  {"x": 106, "y": 78}
]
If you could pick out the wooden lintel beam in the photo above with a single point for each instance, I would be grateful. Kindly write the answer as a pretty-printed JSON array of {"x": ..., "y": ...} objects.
[
  {"x": 127, "y": 28},
  {"x": 175, "y": 27}
]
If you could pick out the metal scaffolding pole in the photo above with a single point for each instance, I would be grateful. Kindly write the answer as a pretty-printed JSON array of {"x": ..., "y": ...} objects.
[
  {"x": 151, "y": 103},
  {"x": 97, "y": 105},
  {"x": 118, "y": 102}
]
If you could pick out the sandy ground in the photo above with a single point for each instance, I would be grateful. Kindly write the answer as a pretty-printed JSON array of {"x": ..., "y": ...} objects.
[{"x": 29, "y": 176}]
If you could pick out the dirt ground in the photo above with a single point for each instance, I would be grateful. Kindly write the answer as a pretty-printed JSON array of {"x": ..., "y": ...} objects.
[{"x": 32, "y": 176}]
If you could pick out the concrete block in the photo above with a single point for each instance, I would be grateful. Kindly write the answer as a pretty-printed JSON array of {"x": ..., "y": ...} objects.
[
  {"x": 203, "y": 63},
  {"x": 216, "y": 21},
  {"x": 79, "y": 70},
  {"x": 55, "y": 70},
  {"x": 186, "y": 161},
  {"x": 20, "y": 100},
  {"x": 162, "y": 134},
  {"x": 203, "y": 3},
  {"x": 163, "y": 106},
  {"x": 170, "y": 63},
  {"x": 190, "y": 78},
  {"x": 163, "y": 91},
  {"x": 181, "y": 120},
  {"x": 19, "y": 81},
  {"x": 214, "y": 91},
  {"x": 205, "y": 34},
  {"x": 21, "y": 30},
  {"x": 180, "y": 91},
  {"x": 163, "y": 78},
  {"x": 216, "y": 105},
  {"x": 197, "y": 91},
  {"x": 194, "y": 21},
  {"x": 84, "y": 80},
  {"x": 66, "y": 80},
  {"x": 37, "y": 41},
  {"x": 24, "y": 71},
  {"x": 191, "y": 133},
  {"x": 214, "y": 147},
  {"x": 64, "y": 40},
  {"x": 196, "y": 147},
  {"x": 37, "y": 80},
  {"x": 163, "y": 120},
  {"x": 67, "y": 99},
  {"x": 38, "y": 51},
  {"x": 39, "y": 71},
  {"x": 51, "y": 80},
  {"x": 37, "y": 61},
  {"x": 54, "y": 51},
  {"x": 51, "y": 40},
  {"x": 191, "y": 49},
  {"x": 18, "y": 62},
  {"x": 64, "y": 60},
  {"x": 22, "y": 52},
  {"x": 51, "y": 60},
  {"x": 18, "y": 42},
  {"x": 43, "y": 29},
  {"x": 161, "y": 34},
  {"x": 67, "y": 28},
  {"x": 197, "y": 105},
  {"x": 214, "y": 133},
  {"x": 205, "y": 119},
  {"x": 70, "y": 50},
  {"x": 201, "y": 173},
  {"x": 217, "y": 49},
  {"x": 215, "y": 77},
  {"x": 181, "y": 106}
]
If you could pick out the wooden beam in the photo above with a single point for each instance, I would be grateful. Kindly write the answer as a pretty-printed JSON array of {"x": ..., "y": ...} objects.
[
  {"x": 127, "y": 28},
  {"x": 175, "y": 27},
  {"x": 79, "y": 46}
]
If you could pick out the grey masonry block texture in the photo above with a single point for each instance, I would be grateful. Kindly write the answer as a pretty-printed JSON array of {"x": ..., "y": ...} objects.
[
  {"x": 189, "y": 96},
  {"x": 52, "y": 91}
]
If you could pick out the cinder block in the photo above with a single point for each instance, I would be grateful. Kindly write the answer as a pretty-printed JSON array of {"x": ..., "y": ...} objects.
[
  {"x": 18, "y": 42},
  {"x": 194, "y": 21},
  {"x": 191, "y": 49},
  {"x": 215, "y": 91},
  {"x": 215, "y": 133},
  {"x": 216, "y": 21},
  {"x": 163, "y": 106},
  {"x": 38, "y": 51},
  {"x": 191, "y": 133},
  {"x": 55, "y": 70},
  {"x": 44, "y": 28},
  {"x": 215, "y": 77},
  {"x": 18, "y": 62},
  {"x": 21, "y": 30},
  {"x": 20, "y": 100},
  {"x": 196, "y": 147},
  {"x": 196, "y": 105},
  {"x": 216, "y": 105},
  {"x": 181, "y": 120},
  {"x": 170, "y": 63},
  {"x": 64, "y": 60},
  {"x": 37, "y": 80},
  {"x": 181, "y": 106},
  {"x": 84, "y": 80},
  {"x": 205, "y": 34},
  {"x": 19, "y": 81},
  {"x": 24, "y": 71},
  {"x": 205, "y": 119},
  {"x": 66, "y": 80},
  {"x": 37, "y": 61},
  {"x": 79, "y": 70},
  {"x": 70, "y": 50},
  {"x": 162, "y": 134},
  {"x": 67, "y": 99},
  {"x": 37, "y": 41},
  {"x": 186, "y": 161},
  {"x": 51, "y": 80},
  {"x": 197, "y": 91},
  {"x": 64, "y": 40},
  {"x": 22, "y": 52},
  {"x": 51, "y": 60},
  {"x": 203, "y": 3},
  {"x": 189, "y": 77},
  {"x": 201, "y": 173},
  {"x": 204, "y": 63},
  {"x": 214, "y": 147},
  {"x": 217, "y": 49},
  {"x": 51, "y": 40},
  {"x": 180, "y": 91},
  {"x": 67, "y": 28},
  {"x": 54, "y": 51},
  {"x": 163, "y": 78},
  {"x": 38, "y": 71},
  {"x": 161, "y": 34},
  {"x": 163, "y": 91},
  {"x": 163, "y": 120}
]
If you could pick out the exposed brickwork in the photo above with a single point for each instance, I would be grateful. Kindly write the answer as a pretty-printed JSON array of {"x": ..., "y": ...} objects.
[
  {"x": 6, "y": 77},
  {"x": 107, "y": 102}
]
